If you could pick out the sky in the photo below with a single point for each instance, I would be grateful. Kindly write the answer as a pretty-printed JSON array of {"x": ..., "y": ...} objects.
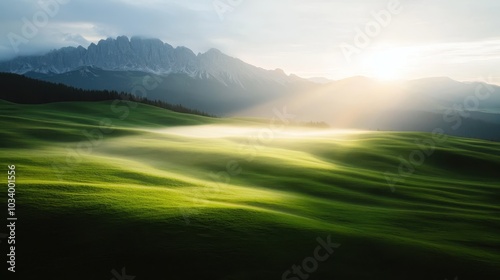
[{"x": 383, "y": 39}]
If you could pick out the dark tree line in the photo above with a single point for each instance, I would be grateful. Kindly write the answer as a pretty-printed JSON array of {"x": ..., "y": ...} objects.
[{"x": 23, "y": 90}]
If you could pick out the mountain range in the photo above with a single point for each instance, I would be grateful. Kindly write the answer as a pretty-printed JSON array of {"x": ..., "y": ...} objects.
[
  {"x": 219, "y": 84},
  {"x": 212, "y": 81}
]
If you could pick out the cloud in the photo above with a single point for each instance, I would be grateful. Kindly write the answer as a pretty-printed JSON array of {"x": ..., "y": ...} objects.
[
  {"x": 299, "y": 36},
  {"x": 75, "y": 39}
]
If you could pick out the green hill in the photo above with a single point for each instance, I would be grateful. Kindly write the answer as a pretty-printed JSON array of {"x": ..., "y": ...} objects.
[{"x": 104, "y": 186}]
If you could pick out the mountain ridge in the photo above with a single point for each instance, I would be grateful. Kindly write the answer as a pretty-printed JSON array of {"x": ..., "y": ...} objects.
[{"x": 149, "y": 56}]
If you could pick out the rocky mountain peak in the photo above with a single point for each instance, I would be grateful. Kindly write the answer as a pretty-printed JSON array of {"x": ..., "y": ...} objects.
[{"x": 146, "y": 55}]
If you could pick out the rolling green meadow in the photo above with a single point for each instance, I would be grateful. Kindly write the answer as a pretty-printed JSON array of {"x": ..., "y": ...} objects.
[{"x": 105, "y": 187}]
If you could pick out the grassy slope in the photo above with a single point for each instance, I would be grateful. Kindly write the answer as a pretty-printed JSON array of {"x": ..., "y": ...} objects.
[{"x": 143, "y": 198}]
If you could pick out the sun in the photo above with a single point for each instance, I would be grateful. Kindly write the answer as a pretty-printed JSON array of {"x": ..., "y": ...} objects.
[{"x": 385, "y": 64}]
